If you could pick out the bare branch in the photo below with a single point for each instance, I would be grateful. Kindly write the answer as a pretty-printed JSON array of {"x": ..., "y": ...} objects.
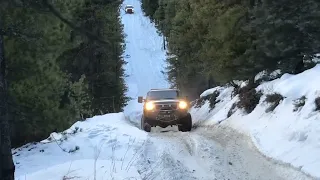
[{"x": 11, "y": 32}]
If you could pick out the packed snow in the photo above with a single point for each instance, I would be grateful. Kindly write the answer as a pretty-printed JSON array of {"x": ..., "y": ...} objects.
[
  {"x": 289, "y": 133},
  {"x": 102, "y": 146}
]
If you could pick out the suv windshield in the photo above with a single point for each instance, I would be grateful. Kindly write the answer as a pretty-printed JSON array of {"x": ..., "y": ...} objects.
[
  {"x": 129, "y": 6},
  {"x": 156, "y": 95}
]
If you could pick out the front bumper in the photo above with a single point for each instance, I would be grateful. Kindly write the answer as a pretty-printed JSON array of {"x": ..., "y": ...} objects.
[
  {"x": 162, "y": 124},
  {"x": 166, "y": 116},
  {"x": 129, "y": 11}
]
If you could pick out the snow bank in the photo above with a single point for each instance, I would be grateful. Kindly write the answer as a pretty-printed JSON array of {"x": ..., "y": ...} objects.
[
  {"x": 109, "y": 139},
  {"x": 289, "y": 133},
  {"x": 203, "y": 116},
  {"x": 83, "y": 170}
]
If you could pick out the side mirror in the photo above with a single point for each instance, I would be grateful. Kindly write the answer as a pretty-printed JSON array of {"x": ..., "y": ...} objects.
[{"x": 140, "y": 99}]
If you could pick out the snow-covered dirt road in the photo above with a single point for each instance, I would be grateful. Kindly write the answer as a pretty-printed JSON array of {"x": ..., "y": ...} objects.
[
  {"x": 208, "y": 154},
  {"x": 144, "y": 55},
  {"x": 110, "y": 147}
]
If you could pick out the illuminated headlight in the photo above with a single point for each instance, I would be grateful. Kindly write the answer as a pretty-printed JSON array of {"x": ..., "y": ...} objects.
[
  {"x": 149, "y": 106},
  {"x": 183, "y": 105}
]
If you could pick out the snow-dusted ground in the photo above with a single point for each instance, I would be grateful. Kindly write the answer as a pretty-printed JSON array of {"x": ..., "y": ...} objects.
[
  {"x": 112, "y": 146},
  {"x": 284, "y": 134},
  {"x": 109, "y": 147},
  {"x": 109, "y": 139}
]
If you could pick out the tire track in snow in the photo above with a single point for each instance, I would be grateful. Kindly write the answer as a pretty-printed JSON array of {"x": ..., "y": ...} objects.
[
  {"x": 208, "y": 154},
  {"x": 239, "y": 159},
  {"x": 172, "y": 156}
]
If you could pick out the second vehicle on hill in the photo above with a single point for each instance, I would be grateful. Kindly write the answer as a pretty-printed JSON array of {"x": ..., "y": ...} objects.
[{"x": 129, "y": 9}]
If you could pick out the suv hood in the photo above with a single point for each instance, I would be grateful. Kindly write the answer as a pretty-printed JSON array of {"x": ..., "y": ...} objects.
[{"x": 165, "y": 101}]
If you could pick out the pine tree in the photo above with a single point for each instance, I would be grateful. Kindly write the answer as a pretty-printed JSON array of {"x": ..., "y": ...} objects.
[
  {"x": 219, "y": 41},
  {"x": 69, "y": 60},
  {"x": 7, "y": 167},
  {"x": 287, "y": 32}
]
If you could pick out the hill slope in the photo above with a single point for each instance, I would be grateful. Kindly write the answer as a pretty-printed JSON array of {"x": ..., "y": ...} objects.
[{"x": 285, "y": 124}]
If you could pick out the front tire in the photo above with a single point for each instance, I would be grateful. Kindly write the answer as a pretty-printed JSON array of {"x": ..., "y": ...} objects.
[
  {"x": 144, "y": 125},
  {"x": 185, "y": 123}
]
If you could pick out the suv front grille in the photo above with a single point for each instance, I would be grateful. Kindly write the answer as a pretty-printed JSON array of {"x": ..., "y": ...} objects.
[{"x": 166, "y": 106}]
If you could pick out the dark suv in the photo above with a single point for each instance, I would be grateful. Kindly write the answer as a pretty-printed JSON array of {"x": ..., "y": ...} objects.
[
  {"x": 165, "y": 107},
  {"x": 129, "y": 9}
]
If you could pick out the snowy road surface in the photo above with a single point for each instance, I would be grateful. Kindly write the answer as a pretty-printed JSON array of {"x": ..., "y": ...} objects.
[
  {"x": 112, "y": 146},
  {"x": 208, "y": 156},
  {"x": 123, "y": 151},
  {"x": 146, "y": 57}
]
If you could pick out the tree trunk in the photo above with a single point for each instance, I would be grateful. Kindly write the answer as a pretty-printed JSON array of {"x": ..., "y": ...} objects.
[
  {"x": 164, "y": 43},
  {"x": 7, "y": 167}
]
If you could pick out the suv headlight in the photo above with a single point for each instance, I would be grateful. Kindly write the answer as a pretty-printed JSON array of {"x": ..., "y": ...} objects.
[
  {"x": 149, "y": 106},
  {"x": 182, "y": 105}
]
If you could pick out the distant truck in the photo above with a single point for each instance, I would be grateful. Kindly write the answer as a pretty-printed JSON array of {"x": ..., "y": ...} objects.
[
  {"x": 129, "y": 9},
  {"x": 165, "y": 107}
]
